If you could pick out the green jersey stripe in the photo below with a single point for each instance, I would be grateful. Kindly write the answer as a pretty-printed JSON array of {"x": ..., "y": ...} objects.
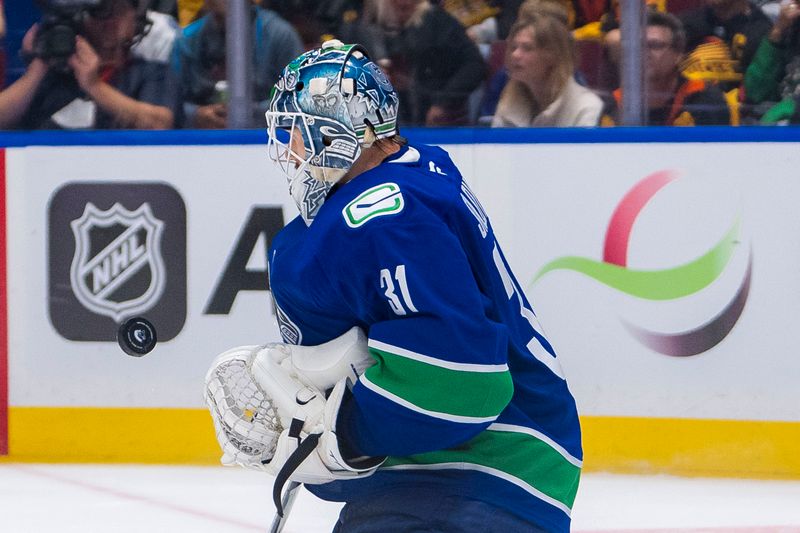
[
  {"x": 480, "y": 395},
  {"x": 541, "y": 436},
  {"x": 517, "y": 457},
  {"x": 468, "y": 367},
  {"x": 408, "y": 405}
]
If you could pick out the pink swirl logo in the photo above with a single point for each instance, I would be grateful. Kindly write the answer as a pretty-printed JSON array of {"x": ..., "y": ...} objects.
[{"x": 665, "y": 284}]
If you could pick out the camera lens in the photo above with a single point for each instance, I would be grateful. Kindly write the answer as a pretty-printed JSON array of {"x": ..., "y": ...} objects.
[{"x": 59, "y": 42}]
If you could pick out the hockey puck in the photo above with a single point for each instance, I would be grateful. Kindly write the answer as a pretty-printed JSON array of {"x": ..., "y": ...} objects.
[{"x": 137, "y": 336}]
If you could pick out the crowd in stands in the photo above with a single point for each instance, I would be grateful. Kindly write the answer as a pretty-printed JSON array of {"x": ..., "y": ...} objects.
[
  {"x": 2, "y": 47},
  {"x": 161, "y": 64}
]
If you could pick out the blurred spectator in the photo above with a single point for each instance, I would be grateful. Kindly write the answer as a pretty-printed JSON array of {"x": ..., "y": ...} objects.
[
  {"x": 486, "y": 21},
  {"x": 470, "y": 12},
  {"x": 587, "y": 11},
  {"x": 771, "y": 8},
  {"x": 581, "y": 15},
  {"x": 99, "y": 86},
  {"x": 314, "y": 20},
  {"x": 363, "y": 27},
  {"x": 432, "y": 63},
  {"x": 2, "y": 45},
  {"x": 605, "y": 67},
  {"x": 331, "y": 15},
  {"x": 499, "y": 76},
  {"x": 609, "y": 30},
  {"x": 583, "y": 12},
  {"x": 774, "y": 73},
  {"x": 739, "y": 24},
  {"x": 553, "y": 8},
  {"x": 672, "y": 99},
  {"x": 189, "y": 11},
  {"x": 167, "y": 7},
  {"x": 199, "y": 59},
  {"x": 541, "y": 90},
  {"x": 157, "y": 43}
]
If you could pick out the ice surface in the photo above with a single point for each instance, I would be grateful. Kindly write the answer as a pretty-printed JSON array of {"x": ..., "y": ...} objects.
[{"x": 121, "y": 499}]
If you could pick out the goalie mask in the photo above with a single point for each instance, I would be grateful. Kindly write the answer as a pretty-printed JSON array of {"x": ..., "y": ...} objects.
[{"x": 327, "y": 104}]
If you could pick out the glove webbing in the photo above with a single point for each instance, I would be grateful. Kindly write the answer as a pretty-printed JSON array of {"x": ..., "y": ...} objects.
[{"x": 304, "y": 449}]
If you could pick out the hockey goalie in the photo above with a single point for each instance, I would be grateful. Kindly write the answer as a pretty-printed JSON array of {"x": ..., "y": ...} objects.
[{"x": 415, "y": 384}]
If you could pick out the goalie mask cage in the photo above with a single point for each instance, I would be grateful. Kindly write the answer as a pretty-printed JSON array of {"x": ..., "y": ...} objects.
[{"x": 3, "y": 311}]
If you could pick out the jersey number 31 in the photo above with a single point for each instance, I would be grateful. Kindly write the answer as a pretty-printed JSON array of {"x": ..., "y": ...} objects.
[{"x": 402, "y": 304}]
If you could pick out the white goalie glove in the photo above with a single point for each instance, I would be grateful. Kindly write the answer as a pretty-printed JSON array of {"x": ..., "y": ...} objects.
[{"x": 270, "y": 412}]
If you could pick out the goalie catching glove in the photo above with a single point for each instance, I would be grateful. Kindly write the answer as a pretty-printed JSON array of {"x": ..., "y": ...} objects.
[{"x": 270, "y": 412}]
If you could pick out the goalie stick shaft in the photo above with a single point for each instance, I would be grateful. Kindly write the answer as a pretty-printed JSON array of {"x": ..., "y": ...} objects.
[{"x": 286, "y": 503}]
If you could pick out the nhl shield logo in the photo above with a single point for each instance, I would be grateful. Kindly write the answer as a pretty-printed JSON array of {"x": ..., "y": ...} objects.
[{"x": 117, "y": 269}]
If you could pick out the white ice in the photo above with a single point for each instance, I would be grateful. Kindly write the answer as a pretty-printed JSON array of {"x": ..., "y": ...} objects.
[{"x": 122, "y": 499}]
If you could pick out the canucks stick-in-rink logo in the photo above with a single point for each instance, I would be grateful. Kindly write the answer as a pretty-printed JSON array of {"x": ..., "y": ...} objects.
[
  {"x": 112, "y": 248},
  {"x": 116, "y": 250}
]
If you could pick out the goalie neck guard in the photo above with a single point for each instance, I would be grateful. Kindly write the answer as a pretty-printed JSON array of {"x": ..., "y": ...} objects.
[{"x": 337, "y": 101}]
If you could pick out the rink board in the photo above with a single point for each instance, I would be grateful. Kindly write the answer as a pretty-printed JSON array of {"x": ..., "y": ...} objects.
[{"x": 662, "y": 265}]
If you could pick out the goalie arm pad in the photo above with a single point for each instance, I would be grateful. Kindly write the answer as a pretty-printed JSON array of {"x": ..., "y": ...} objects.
[{"x": 323, "y": 366}]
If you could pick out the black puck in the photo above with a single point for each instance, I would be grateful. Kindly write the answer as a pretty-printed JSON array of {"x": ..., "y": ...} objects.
[{"x": 137, "y": 336}]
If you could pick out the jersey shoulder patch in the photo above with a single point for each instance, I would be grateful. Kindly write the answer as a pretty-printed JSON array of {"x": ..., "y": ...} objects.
[{"x": 380, "y": 200}]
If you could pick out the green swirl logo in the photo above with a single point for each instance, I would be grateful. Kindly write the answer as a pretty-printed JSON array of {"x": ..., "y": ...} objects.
[{"x": 666, "y": 284}]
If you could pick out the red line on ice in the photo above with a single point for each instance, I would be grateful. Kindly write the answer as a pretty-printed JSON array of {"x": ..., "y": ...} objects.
[{"x": 142, "y": 499}]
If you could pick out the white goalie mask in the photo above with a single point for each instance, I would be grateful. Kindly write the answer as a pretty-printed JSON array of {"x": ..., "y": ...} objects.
[
  {"x": 309, "y": 184},
  {"x": 328, "y": 104}
]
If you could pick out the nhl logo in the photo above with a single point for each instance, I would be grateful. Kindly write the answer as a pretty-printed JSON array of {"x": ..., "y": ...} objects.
[{"x": 117, "y": 269}]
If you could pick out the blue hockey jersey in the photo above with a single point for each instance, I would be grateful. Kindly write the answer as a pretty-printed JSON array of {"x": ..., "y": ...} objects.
[{"x": 466, "y": 395}]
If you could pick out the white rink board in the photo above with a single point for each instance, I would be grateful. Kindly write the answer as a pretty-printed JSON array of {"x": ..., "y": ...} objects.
[
  {"x": 562, "y": 205},
  {"x": 219, "y": 184},
  {"x": 545, "y": 200}
]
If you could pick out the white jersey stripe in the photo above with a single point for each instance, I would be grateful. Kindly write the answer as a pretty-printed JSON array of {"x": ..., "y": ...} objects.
[
  {"x": 462, "y": 367},
  {"x": 492, "y": 472},
  {"x": 411, "y": 156},
  {"x": 539, "y": 435},
  {"x": 434, "y": 414}
]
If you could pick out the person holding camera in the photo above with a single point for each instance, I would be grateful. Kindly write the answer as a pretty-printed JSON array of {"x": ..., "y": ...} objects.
[
  {"x": 774, "y": 74},
  {"x": 81, "y": 74}
]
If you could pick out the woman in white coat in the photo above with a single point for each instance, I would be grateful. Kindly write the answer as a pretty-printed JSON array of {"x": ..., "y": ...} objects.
[{"x": 541, "y": 90}]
